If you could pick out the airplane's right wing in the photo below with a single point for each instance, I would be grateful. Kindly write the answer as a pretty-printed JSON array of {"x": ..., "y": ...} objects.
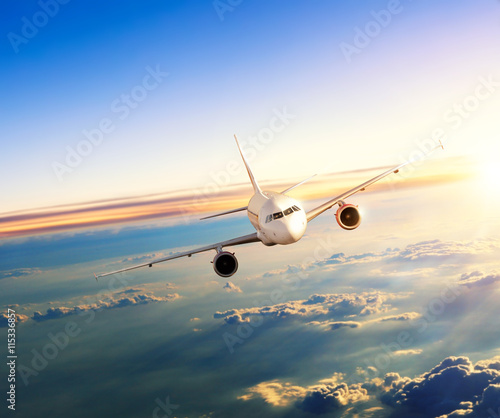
[
  {"x": 246, "y": 239},
  {"x": 327, "y": 205}
]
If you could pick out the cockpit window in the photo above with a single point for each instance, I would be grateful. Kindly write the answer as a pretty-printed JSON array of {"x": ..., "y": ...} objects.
[{"x": 277, "y": 215}]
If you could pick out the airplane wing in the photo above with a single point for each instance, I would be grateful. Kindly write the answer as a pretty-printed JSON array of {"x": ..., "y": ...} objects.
[
  {"x": 325, "y": 206},
  {"x": 246, "y": 239}
]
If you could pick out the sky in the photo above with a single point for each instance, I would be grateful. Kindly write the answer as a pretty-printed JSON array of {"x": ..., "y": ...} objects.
[{"x": 117, "y": 124}]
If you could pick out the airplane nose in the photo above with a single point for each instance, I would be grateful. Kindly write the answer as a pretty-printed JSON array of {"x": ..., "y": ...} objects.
[
  {"x": 290, "y": 231},
  {"x": 298, "y": 227}
]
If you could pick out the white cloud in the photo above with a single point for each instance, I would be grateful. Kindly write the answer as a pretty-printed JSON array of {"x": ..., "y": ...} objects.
[
  {"x": 275, "y": 393},
  {"x": 20, "y": 272},
  {"x": 409, "y": 352},
  {"x": 454, "y": 388},
  {"x": 425, "y": 251},
  {"x": 326, "y": 395},
  {"x": 143, "y": 258},
  {"x": 479, "y": 279},
  {"x": 406, "y": 316},
  {"x": 329, "y": 305},
  {"x": 4, "y": 319},
  {"x": 231, "y": 288},
  {"x": 114, "y": 301},
  {"x": 171, "y": 286}
]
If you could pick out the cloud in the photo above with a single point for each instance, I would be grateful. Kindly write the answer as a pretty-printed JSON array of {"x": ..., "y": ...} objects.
[
  {"x": 4, "y": 319},
  {"x": 335, "y": 325},
  {"x": 409, "y": 352},
  {"x": 275, "y": 393},
  {"x": 343, "y": 324},
  {"x": 108, "y": 303},
  {"x": 125, "y": 292},
  {"x": 20, "y": 272},
  {"x": 455, "y": 387},
  {"x": 171, "y": 286},
  {"x": 231, "y": 288},
  {"x": 479, "y": 279},
  {"x": 424, "y": 250},
  {"x": 435, "y": 251},
  {"x": 289, "y": 269},
  {"x": 141, "y": 258},
  {"x": 437, "y": 248},
  {"x": 406, "y": 316},
  {"x": 328, "y": 305},
  {"x": 176, "y": 206},
  {"x": 325, "y": 396}
]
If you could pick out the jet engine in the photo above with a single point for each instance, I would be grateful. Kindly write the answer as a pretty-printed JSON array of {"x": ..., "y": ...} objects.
[
  {"x": 225, "y": 264},
  {"x": 348, "y": 216}
]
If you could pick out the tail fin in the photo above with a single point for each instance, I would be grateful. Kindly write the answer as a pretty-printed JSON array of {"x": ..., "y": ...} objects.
[{"x": 255, "y": 185}]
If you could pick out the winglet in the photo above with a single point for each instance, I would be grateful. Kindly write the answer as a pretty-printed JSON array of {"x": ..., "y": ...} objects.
[
  {"x": 95, "y": 275},
  {"x": 440, "y": 143},
  {"x": 255, "y": 185}
]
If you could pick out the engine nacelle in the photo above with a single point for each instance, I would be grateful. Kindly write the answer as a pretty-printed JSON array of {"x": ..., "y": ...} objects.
[
  {"x": 225, "y": 264},
  {"x": 348, "y": 216}
]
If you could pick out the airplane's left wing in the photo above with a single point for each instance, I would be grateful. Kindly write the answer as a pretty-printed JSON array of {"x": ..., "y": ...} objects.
[
  {"x": 325, "y": 206},
  {"x": 246, "y": 239}
]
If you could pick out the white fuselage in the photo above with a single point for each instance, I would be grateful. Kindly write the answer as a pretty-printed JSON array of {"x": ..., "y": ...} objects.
[{"x": 278, "y": 219}]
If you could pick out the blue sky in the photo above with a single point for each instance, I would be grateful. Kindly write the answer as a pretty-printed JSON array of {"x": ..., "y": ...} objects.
[
  {"x": 367, "y": 322},
  {"x": 227, "y": 77}
]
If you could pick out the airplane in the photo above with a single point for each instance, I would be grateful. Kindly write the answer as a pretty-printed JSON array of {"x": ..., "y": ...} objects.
[{"x": 277, "y": 219}]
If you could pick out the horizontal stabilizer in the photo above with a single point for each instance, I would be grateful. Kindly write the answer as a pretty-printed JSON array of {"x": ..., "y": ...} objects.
[
  {"x": 298, "y": 184},
  {"x": 225, "y": 213}
]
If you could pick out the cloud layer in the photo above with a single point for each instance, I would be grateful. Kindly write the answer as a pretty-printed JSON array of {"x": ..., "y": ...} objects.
[
  {"x": 20, "y": 272},
  {"x": 454, "y": 388},
  {"x": 329, "y": 305},
  {"x": 110, "y": 303}
]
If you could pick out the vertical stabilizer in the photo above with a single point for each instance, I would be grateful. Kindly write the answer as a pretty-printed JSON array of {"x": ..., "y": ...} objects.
[{"x": 255, "y": 185}]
